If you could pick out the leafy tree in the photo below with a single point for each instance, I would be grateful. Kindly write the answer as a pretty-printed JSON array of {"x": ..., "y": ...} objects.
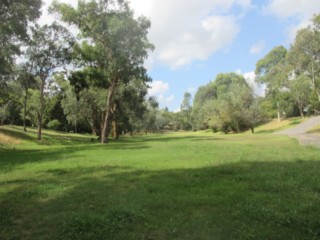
[
  {"x": 128, "y": 106},
  {"x": 228, "y": 104},
  {"x": 50, "y": 48},
  {"x": 11, "y": 107},
  {"x": 269, "y": 71},
  {"x": 225, "y": 81},
  {"x": 150, "y": 116},
  {"x": 232, "y": 111},
  {"x": 185, "y": 111},
  {"x": 15, "y": 16},
  {"x": 300, "y": 89},
  {"x": 33, "y": 107},
  {"x": 117, "y": 44},
  {"x": 26, "y": 81},
  {"x": 204, "y": 94},
  {"x": 4, "y": 112},
  {"x": 304, "y": 54}
]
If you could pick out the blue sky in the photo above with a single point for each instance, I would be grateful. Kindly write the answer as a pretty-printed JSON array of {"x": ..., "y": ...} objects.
[{"x": 197, "y": 39}]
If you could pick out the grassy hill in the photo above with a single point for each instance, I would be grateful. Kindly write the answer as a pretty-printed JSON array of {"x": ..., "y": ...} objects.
[{"x": 184, "y": 185}]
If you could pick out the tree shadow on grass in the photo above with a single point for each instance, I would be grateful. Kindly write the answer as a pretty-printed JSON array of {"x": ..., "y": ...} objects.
[
  {"x": 68, "y": 140},
  {"x": 10, "y": 158},
  {"x": 247, "y": 200}
]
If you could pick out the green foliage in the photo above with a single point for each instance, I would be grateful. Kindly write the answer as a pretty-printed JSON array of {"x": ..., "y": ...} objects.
[
  {"x": 230, "y": 105},
  {"x": 54, "y": 124},
  {"x": 304, "y": 56},
  {"x": 15, "y": 15},
  {"x": 225, "y": 81},
  {"x": 50, "y": 47},
  {"x": 204, "y": 94},
  {"x": 265, "y": 66},
  {"x": 293, "y": 74},
  {"x": 115, "y": 48},
  {"x": 185, "y": 112},
  {"x": 300, "y": 88}
]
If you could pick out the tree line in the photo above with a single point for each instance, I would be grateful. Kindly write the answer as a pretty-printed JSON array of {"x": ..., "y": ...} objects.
[
  {"x": 290, "y": 77},
  {"x": 85, "y": 73}
]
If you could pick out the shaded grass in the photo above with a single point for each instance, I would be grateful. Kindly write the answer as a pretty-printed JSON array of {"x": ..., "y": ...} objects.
[{"x": 166, "y": 186}]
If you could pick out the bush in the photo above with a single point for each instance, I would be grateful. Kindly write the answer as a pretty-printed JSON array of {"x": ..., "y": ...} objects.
[{"x": 54, "y": 124}]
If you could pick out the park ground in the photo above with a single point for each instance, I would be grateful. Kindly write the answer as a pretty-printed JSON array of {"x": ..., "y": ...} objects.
[{"x": 182, "y": 185}]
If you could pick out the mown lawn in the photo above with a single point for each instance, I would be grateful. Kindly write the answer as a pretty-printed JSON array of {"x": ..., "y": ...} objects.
[{"x": 160, "y": 186}]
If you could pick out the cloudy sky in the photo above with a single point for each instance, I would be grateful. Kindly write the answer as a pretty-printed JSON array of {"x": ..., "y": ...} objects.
[{"x": 197, "y": 39}]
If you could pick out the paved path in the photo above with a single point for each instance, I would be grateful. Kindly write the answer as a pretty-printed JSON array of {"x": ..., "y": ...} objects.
[{"x": 299, "y": 132}]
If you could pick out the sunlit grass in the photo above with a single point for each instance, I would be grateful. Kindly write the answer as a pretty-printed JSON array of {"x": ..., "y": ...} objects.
[
  {"x": 184, "y": 185},
  {"x": 275, "y": 125},
  {"x": 315, "y": 130},
  {"x": 7, "y": 140}
]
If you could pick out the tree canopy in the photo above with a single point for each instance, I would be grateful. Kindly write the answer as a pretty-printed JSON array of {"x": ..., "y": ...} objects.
[
  {"x": 93, "y": 78},
  {"x": 15, "y": 16}
]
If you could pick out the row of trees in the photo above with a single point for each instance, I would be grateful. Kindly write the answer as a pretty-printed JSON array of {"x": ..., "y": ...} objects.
[
  {"x": 291, "y": 78},
  {"x": 226, "y": 104},
  {"x": 92, "y": 79},
  {"x": 106, "y": 87}
]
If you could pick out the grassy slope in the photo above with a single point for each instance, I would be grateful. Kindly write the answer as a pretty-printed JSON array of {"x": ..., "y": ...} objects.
[
  {"x": 315, "y": 130},
  {"x": 274, "y": 125},
  {"x": 172, "y": 186}
]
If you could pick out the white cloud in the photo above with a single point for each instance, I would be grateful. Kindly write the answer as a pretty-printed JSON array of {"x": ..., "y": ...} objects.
[
  {"x": 170, "y": 98},
  {"x": 257, "y": 47},
  {"x": 158, "y": 87},
  {"x": 250, "y": 77},
  {"x": 238, "y": 71},
  {"x": 300, "y": 10},
  {"x": 185, "y": 30},
  {"x": 293, "y": 8},
  {"x": 192, "y": 90},
  {"x": 257, "y": 88}
]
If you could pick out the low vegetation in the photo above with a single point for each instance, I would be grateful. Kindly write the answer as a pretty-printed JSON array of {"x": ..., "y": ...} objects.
[{"x": 182, "y": 185}]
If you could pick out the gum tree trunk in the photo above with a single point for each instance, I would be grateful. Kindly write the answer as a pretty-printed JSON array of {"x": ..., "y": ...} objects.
[
  {"x": 104, "y": 137},
  {"x": 40, "y": 113},
  {"x": 25, "y": 111}
]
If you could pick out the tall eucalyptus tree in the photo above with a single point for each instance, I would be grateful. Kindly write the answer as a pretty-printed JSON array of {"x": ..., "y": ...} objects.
[{"x": 113, "y": 42}]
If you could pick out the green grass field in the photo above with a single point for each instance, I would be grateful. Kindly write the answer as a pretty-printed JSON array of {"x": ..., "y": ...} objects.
[{"x": 190, "y": 185}]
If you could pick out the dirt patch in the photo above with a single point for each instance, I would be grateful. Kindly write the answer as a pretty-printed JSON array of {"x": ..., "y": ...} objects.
[{"x": 5, "y": 139}]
